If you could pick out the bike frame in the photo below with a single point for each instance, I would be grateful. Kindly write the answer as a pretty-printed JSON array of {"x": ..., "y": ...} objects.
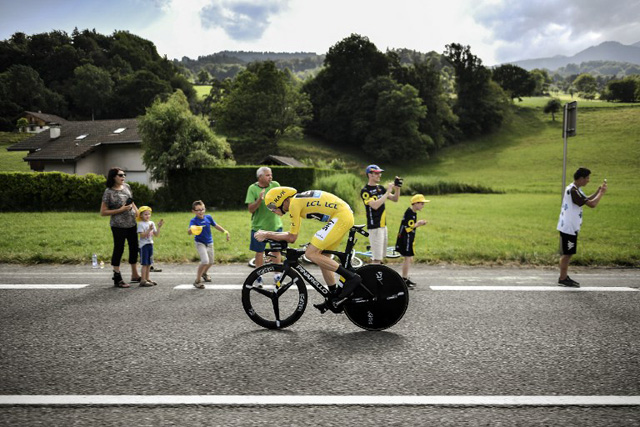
[{"x": 292, "y": 255}]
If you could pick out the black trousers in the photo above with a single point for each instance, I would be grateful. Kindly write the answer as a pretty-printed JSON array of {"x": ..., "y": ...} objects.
[{"x": 119, "y": 237}]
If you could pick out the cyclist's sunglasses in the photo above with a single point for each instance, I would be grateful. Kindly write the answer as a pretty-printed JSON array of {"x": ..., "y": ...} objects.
[{"x": 272, "y": 207}]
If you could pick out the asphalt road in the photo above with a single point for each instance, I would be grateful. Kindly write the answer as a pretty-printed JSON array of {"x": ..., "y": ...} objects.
[{"x": 165, "y": 341}]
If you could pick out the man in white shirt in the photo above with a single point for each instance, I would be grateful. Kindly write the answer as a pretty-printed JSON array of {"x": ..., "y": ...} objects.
[{"x": 571, "y": 219}]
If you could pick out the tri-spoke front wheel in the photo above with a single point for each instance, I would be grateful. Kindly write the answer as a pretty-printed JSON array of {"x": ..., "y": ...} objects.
[{"x": 274, "y": 300}]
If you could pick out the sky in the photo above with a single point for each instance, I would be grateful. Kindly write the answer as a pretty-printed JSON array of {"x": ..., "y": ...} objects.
[{"x": 497, "y": 31}]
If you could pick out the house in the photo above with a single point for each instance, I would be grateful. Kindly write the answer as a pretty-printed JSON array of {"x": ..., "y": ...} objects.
[
  {"x": 40, "y": 121},
  {"x": 82, "y": 147},
  {"x": 282, "y": 161}
]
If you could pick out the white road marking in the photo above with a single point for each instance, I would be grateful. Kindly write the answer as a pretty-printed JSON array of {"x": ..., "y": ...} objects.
[
  {"x": 209, "y": 286},
  {"x": 280, "y": 400},
  {"x": 224, "y": 286},
  {"x": 42, "y": 286},
  {"x": 103, "y": 273},
  {"x": 534, "y": 288}
]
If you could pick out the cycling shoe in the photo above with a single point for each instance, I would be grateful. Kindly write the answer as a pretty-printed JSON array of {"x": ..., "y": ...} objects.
[
  {"x": 349, "y": 286},
  {"x": 323, "y": 307}
]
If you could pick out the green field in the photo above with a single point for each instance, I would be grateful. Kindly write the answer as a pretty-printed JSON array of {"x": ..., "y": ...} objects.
[
  {"x": 202, "y": 90},
  {"x": 523, "y": 160},
  {"x": 11, "y": 161},
  {"x": 541, "y": 101}
]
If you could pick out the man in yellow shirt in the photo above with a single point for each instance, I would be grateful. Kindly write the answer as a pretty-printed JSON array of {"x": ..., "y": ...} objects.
[{"x": 322, "y": 206}]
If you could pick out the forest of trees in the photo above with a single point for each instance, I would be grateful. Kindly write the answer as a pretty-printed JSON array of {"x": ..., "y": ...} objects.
[
  {"x": 83, "y": 75},
  {"x": 228, "y": 64},
  {"x": 398, "y": 104}
]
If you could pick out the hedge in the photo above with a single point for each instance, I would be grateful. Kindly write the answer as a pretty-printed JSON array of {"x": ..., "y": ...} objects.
[
  {"x": 226, "y": 187},
  {"x": 58, "y": 191},
  {"x": 220, "y": 187}
]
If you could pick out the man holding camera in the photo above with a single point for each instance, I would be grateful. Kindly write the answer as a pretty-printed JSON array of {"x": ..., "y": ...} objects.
[{"x": 374, "y": 197}]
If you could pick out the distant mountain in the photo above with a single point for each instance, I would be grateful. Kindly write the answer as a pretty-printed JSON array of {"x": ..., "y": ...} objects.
[{"x": 607, "y": 51}]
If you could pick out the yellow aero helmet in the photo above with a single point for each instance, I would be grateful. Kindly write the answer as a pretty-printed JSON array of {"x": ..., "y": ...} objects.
[{"x": 276, "y": 196}]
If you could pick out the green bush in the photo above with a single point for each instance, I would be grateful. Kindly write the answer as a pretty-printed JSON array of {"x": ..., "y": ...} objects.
[
  {"x": 430, "y": 187},
  {"x": 346, "y": 186}
]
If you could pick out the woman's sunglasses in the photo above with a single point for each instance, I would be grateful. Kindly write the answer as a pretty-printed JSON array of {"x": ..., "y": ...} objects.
[{"x": 122, "y": 175}]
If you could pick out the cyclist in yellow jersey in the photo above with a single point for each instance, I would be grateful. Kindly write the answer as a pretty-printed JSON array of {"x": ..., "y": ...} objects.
[{"x": 322, "y": 206}]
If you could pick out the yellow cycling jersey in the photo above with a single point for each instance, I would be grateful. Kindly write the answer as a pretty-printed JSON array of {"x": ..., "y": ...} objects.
[{"x": 314, "y": 204}]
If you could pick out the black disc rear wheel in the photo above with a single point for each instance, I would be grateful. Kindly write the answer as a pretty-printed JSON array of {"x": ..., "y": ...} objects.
[{"x": 380, "y": 301}]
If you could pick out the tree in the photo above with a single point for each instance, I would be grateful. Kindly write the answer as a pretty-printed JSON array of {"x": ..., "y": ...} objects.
[
  {"x": 263, "y": 104},
  {"x": 92, "y": 88},
  {"x": 542, "y": 80},
  {"x": 203, "y": 77},
  {"x": 553, "y": 106},
  {"x": 137, "y": 91},
  {"x": 439, "y": 123},
  {"x": 21, "y": 88},
  {"x": 481, "y": 104},
  {"x": 516, "y": 81},
  {"x": 55, "y": 56},
  {"x": 388, "y": 121},
  {"x": 174, "y": 138},
  {"x": 22, "y": 124},
  {"x": 586, "y": 84},
  {"x": 334, "y": 92},
  {"x": 624, "y": 90}
]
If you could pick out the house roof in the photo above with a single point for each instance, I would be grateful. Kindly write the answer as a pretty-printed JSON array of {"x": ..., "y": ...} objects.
[
  {"x": 282, "y": 160},
  {"x": 47, "y": 118},
  {"x": 69, "y": 147}
]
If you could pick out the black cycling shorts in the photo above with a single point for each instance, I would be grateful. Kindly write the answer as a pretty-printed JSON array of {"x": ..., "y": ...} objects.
[{"x": 404, "y": 244}]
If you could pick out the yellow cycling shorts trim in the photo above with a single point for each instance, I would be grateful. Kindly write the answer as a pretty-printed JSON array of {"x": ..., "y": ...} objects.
[{"x": 330, "y": 236}]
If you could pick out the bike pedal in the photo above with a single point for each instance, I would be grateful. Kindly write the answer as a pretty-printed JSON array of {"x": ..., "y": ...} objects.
[
  {"x": 321, "y": 307},
  {"x": 336, "y": 306}
]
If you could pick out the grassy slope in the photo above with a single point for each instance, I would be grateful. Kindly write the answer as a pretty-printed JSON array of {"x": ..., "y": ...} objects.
[
  {"x": 11, "y": 161},
  {"x": 202, "y": 90},
  {"x": 525, "y": 159}
]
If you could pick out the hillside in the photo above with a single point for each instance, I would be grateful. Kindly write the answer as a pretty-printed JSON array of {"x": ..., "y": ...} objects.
[
  {"x": 228, "y": 64},
  {"x": 607, "y": 51}
]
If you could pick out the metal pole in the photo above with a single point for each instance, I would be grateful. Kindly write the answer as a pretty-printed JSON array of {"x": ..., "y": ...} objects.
[{"x": 565, "y": 122}]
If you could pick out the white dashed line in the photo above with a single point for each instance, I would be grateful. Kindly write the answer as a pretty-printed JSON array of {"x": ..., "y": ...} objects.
[
  {"x": 534, "y": 288},
  {"x": 42, "y": 286}
]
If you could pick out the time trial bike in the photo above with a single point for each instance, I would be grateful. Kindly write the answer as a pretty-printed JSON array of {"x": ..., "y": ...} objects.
[{"x": 274, "y": 296}]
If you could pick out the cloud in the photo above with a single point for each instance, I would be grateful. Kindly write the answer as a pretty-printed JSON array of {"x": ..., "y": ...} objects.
[
  {"x": 242, "y": 20},
  {"x": 533, "y": 29}
]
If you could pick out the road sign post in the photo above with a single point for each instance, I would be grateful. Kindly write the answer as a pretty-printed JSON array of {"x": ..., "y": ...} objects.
[
  {"x": 569, "y": 122},
  {"x": 568, "y": 129}
]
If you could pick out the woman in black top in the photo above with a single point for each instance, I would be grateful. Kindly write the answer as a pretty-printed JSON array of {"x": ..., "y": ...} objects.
[{"x": 117, "y": 202}]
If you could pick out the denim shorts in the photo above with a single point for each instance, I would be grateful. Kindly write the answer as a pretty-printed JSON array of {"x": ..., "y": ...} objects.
[
  {"x": 146, "y": 254},
  {"x": 256, "y": 246}
]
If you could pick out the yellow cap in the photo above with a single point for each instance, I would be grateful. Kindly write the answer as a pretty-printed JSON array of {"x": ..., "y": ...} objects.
[
  {"x": 142, "y": 209},
  {"x": 196, "y": 229},
  {"x": 419, "y": 198}
]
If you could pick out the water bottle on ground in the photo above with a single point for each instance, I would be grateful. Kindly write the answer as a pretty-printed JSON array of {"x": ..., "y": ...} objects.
[
  {"x": 94, "y": 261},
  {"x": 276, "y": 278}
]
